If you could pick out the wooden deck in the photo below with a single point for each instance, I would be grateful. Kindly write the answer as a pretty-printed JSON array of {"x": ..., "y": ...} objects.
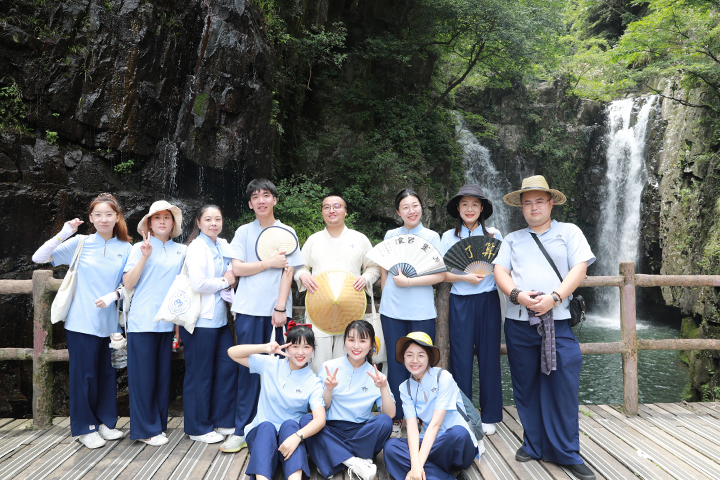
[{"x": 665, "y": 441}]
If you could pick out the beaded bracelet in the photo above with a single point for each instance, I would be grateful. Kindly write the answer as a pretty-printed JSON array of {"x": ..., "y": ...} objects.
[{"x": 513, "y": 296}]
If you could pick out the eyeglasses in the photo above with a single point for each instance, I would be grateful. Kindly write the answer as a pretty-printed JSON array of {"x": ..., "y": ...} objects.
[
  {"x": 407, "y": 208},
  {"x": 538, "y": 203},
  {"x": 334, "y": 206},
  {"x": 100, "y": 216}
]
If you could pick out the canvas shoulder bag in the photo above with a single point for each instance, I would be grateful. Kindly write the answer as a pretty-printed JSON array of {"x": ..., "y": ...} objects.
[
  {"x": 577, "y": 303},
  {"x": 61, "y": 304},
  {"x": 182, "y": 304},
  {"x": 380, "y": 355}
]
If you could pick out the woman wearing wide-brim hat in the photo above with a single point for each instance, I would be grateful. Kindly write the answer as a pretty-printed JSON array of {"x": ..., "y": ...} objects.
[
  {"x": 475, "y": 317},
  {"x": 431, "y": 396},
  {"x": 151, "y": 269}
]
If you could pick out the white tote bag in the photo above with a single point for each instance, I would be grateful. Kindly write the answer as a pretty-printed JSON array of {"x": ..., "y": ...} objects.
[
  {"x": 182, "y": 304},
  {"x": 374, "y": 318},
  {"x": 66, "y": 292}
]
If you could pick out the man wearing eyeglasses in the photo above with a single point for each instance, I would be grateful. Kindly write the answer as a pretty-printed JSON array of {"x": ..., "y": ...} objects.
[
  {"x": 335, "y": 248},
  {"x": 543, "y": 353}
]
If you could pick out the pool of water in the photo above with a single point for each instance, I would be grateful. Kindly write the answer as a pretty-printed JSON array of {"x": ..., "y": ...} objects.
[{"x": 662, "y": 377}]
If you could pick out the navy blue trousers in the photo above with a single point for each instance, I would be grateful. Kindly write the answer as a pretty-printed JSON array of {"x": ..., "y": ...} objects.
[
  {"x": 251, "y": 330},
  {"x": 263, "y": 442},
  {"x": 453, "y": 449},
  {"x": 474, "y": 323},
  {"x": 93, "y": 387},
  {"x": 547, "y": 404},
  {"x": 392, "y": 330},
  {"x": 340, "y": 440},
  {"x": 148, "y": 382},
  {"x": 210, "y": 380}
]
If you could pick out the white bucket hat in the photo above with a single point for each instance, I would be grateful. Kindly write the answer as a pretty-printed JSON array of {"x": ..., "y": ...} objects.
[{"x": 160, "y": 206}]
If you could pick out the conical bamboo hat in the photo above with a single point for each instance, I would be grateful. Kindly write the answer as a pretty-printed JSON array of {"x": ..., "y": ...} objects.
[{"x": 335, "y": 303}]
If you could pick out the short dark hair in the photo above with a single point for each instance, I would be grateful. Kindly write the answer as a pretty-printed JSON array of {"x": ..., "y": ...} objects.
[
  {"x": 404, "y": 193},
  {"x": 258, "y": 185},
  {"x": 297, "y": 333}
]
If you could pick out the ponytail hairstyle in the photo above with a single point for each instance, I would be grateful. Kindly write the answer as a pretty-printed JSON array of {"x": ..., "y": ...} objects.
[
  {"x": 198, "y": 215},
  {"x": 364, "y": 329},
  {"x": 296, "y": 334},
  {"x": 404, "y": 193},
  {"x": 120, "y": 229}
]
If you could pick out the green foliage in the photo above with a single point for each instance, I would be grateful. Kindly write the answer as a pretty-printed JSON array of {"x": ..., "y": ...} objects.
[
  {"x": 51, "y": 137},
  {"x": 124, "y": 167},
  {"x": 200, "y": 104},
  {"x": 12, "y": 109}
]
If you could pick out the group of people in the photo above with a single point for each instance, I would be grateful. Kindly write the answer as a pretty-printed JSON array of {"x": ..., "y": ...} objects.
[{"x": 263, "y": 402}]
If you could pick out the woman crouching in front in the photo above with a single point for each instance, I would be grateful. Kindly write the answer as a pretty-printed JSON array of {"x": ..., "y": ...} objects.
[
  {"x": 431, "y": 396},
  {"x": 287, "y": 388}
]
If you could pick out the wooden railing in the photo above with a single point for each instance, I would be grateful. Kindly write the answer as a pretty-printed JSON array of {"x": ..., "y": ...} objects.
[
  {"x": 629, "y": 344},
  {"x": 43, "y": 287}
]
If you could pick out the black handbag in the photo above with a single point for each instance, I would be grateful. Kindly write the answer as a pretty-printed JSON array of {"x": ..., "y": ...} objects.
[{"x": 577, "y": 304}]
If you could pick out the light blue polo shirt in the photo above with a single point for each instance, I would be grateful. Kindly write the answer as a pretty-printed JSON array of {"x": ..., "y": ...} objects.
[
  {"x": 355, "y": 393},
  {"x": 99, "y": 272},
  {"x": 257, "y": 294},
  {"x": 155, "y": 280},
  {"x": 427, "y": 396},
  {"x": 284, "y": 394},
  {"x": 566, "y": 245},
  {"x": 220, "y": 261},
  {"x": 463, "y": 288},
  {"x": 410, "y": 303}
]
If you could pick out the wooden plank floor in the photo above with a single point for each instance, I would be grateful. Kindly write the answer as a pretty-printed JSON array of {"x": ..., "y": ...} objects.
[{"x": 665, "y": 441}]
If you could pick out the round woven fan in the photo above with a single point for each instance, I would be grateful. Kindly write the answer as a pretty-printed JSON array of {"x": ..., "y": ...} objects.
[
  {"x": 412, "y": 255},
  {"x": 335, "y": 303},
  {"x": 473, "y": 254},
  {"x": 274, "y": 240}
]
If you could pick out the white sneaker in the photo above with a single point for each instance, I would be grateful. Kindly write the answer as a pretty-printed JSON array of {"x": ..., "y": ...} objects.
[
  {"x": 233, "y": 443},
  {"x": 110, "y": 433},
  {"x": 156, "y": 441},
  {"x": 397, "y": 429},
  {"x": 210, "y": 437},
  {"x": 481, "y": 450},
  {"x": 225, "y": 431},
  {"x": 92, "y": 440},
  {"x": 362, "y": 471},
  {"x": 488, "y": 428}
]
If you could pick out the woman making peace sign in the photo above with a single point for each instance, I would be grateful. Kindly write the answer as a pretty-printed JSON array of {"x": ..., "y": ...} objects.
[
  {"x": 287, "y": 387},
  {"x": 352, "y": 435}
]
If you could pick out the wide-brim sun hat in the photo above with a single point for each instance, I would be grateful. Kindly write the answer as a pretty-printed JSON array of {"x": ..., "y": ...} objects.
[
  {"x": 422, "y": 339},
  {"x": 336, "y": 302},
  {"x": 469, "y": 190},
  {"x": 160, "y": 206},
  {"x": 529, "y": 184}
]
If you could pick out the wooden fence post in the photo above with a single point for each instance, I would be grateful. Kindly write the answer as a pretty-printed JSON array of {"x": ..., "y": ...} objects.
[
  {"x": 42, "y": 341},
  {"x": 442, "y": 328},
  {"x": 628, "y": 337}
]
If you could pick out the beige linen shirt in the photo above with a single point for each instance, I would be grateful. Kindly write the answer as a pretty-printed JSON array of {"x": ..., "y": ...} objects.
[{"x": 321, "y": 253}]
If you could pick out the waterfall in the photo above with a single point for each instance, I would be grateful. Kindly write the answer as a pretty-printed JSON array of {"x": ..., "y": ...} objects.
[
  {"x": 168, "y": 153},
  {"x": 626, "y": 176},
  {"x": 480, "y": 169}
]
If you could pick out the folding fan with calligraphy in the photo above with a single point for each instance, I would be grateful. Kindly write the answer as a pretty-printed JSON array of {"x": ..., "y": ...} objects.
[
  {"x": 410, "y": 254},
  {"x": 473, "y": 255}
]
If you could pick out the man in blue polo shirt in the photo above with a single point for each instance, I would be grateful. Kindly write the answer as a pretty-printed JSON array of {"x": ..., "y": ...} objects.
[
  {"x": 262, "y": 300},
  {"x": 545, "y": 371}
]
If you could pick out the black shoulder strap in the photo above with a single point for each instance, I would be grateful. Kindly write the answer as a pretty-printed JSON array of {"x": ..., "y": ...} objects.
[{"x": 547, "y": 256}]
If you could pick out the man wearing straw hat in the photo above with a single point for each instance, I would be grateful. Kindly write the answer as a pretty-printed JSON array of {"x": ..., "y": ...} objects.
[
  {"x": 335, "y": 248},
  {"x": 543, "y": 353}
]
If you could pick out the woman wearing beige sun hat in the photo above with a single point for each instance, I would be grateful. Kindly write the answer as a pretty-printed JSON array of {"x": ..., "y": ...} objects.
[{"x": 151, "y": 269}]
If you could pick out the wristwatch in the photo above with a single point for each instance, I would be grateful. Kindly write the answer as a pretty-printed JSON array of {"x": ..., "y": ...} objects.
[{"x": 300, "y": 435}]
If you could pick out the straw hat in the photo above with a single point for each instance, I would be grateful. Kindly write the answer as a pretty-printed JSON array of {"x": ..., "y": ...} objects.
[
  {"x": 536, "y": 182},
  {"x": 422, "y": 339},
  {"x": 469, "y": 190},
  {"x": 335, "y": 303},
  {"x": 160, "y": 206}
]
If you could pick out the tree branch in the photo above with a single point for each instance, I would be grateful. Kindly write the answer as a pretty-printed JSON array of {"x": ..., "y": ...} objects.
[{"x": 679, "y": 100}]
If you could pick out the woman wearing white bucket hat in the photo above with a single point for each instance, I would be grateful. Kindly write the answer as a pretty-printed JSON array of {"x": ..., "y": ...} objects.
[{"x": 151, "y": 269}]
